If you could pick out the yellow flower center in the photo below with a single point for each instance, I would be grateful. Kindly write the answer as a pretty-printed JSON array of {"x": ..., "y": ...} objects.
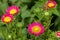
[
  {"x": 13, "y": 11},
  {"x": 36, "y": 29},
  {"x": 50, "y": 4},
  {"x": 7, "y": 19}
]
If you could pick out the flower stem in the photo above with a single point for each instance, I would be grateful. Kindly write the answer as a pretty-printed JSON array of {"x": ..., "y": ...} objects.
[{"x": 35, "y": 37}]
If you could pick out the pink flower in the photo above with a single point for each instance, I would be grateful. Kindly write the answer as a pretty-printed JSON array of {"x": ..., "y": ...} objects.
[
  {"x": 36, "y": 28},
  {"x": 58, "y": 34},
  {"x": 51, "y": 4},
  {"x": 6, "y": 18},
  {"x": 13, "y": 10}
]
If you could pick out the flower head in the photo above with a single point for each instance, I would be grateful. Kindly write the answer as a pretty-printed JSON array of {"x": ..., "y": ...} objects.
[
  {"x": 51, "y": 4},
  {"x": 12, "y": 10},
  {"x": 58, "y": 34},
  {"x": 7, "y": 18},
  {"x": 36, "y": 28}
]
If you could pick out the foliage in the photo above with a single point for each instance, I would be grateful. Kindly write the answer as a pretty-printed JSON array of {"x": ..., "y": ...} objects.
[{"x": 30, "y": 11}]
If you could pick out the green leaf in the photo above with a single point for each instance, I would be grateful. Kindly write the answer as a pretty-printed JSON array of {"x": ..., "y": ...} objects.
[
  {"x": 3, "y": 7},
  {"x": 5, "y": 0},
  {"x": 18, "y": 3},
  {"x": 55, "y": 11},
  {"x": 19, "y": 24},
  {"x": 25, "y": 14},
  {"x": 26, "y": 1},
  {"x": 24, "y": 31},
  {"x": 23, "y": 9},
  {"x": 57, "y": 23},
  {"x": 1, "y": 36},
  {"x": 13, "y": 1}
]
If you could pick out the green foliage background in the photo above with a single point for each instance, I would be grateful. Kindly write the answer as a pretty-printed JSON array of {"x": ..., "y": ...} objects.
[{"x": 30, "y": 11}]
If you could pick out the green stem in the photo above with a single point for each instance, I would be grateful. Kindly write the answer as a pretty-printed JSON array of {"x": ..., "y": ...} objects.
[{"x": 35, "y": 37}]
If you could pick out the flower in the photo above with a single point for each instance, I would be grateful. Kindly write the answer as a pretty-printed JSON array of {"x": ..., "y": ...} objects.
[
  {"x": 7, "y": 18},
  {"x": 36, "y": 28},
  {"x": 12, "y": 10},
  {"x": 51, "y": 4},
  {"x": 58, "y": 34}
]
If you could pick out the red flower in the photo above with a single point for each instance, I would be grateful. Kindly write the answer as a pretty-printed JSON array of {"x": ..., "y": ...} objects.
[
  {"x": 6, "y": 18},
  {"x": 58, "y": 34},
  {"x": 12, "y": 10},
  {"x": 51, "y": 4},
  {"x": 36, "y": 28}
]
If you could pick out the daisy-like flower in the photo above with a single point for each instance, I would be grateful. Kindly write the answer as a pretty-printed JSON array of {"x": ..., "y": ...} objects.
[
  {"x": 58, "y": 34},
  {"x": 36, "y": 28},
  {"x": 6, "y": 18},
  {"x": 51, "y": 4},
  {"x": 13, "y": 10}
]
